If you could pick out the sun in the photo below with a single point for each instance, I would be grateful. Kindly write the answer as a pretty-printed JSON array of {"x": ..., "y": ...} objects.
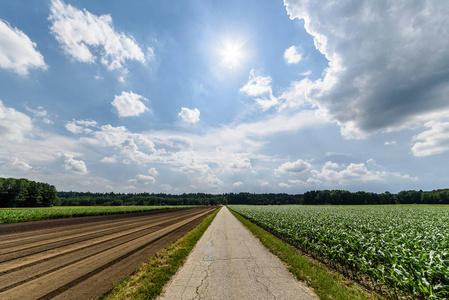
[{"x": 232, "y": 54}]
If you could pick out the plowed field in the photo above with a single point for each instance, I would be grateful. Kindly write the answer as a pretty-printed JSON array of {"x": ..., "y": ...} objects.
[{"x": 82, "y": 258}]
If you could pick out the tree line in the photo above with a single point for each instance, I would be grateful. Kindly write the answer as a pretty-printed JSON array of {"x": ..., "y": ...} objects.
[
  {"x": 342, "y": 197},
  {"x": 115, "y": 199},
  {"x": 26, "y": 193}
]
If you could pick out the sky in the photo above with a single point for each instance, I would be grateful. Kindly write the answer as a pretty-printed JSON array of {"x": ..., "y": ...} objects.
[{"x": 225, "y": 96}]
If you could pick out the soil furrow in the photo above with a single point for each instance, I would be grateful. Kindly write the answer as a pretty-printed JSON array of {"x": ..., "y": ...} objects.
[
  {"x": 77, "y": 239},
  {"x": 22, "y": 241},
  {"x": 60, "y": 273}
]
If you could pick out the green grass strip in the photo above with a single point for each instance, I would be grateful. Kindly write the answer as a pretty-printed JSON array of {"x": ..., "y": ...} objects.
[
  {"x": 326, "y": 284},
  {"x": 150, "y": 278}
]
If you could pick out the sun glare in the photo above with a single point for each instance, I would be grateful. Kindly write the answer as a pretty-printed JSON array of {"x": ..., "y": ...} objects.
[{"x": 231, "y": 54}]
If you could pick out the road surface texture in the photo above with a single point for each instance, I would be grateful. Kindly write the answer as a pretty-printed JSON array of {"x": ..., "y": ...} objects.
[
  {"x": 82, "y": 258},
  {"x": 228, "y": 262}
]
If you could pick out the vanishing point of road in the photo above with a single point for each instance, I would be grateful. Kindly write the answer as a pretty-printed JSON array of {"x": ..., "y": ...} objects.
[{"x": 228, "y": 262}]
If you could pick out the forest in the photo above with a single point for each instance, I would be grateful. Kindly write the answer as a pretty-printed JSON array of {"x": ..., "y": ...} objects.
[{"x": 26, "y": 193}]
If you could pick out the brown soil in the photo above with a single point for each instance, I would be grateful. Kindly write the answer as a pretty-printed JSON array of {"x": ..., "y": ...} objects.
[{"x": 82, "y": 258}]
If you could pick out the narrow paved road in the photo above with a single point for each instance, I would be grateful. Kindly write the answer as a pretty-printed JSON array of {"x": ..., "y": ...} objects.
[
  {"x": 230, "y": 263},
  {"x": 83, "y": 260}
]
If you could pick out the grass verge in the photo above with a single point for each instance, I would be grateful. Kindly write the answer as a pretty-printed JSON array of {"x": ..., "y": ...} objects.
[
  {"x": 150, "y": 278},
  {"x": 327, "y": 284}
]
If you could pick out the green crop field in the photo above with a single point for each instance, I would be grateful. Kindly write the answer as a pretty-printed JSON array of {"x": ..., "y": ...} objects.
[
  {"x": 12, "y": 215},
  {"x": 399, "y": 250}
]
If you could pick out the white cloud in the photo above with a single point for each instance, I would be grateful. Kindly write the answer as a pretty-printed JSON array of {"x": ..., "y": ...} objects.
[
  {"x": 189, "y": 115},
  {"x": 257, "y": 85},
  {"x": 16, "y": 163},
  {"x": 388, "y": 62},
  {"x": 17, "y": 51},
  {"x": 355, "y": 175},
  {"x": 145, "y": 179},
  {"x": 306, "y": 73},
  {"x": 13, "y": 124},
  {"x": 80, "y": 33},
  {"x": 150, "y": 53},
  {"x": 296, "y": 95},
  {"x": 153, "y": 172},
  {"x": 71, "y": 164},
  {"x": 332, "y": 173},
  {"x": 72, "y": 127},
  {"x": 292, "y": 56},
  {"x": 239, "y": 162},
  {"x": 47, "y": 121},
  {"x": 260, "y": 87},
  {"x": 129, "y": 104},
  {"x": 298, "y": 166},
  {"x": 129, "y": 146},
  {"x": 432, "y": 141},
  {"x": 40, "y": 113},
  {"x": 237, "y": 184},
  {"x": 264, "y": 183},
  {"x": 80, "y": 126},
  {"x": 109, "y": 159},
  {"x": 390, "y": 143}
]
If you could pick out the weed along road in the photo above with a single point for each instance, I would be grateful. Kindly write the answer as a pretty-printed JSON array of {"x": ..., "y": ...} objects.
[
  {"x": 228, "y": 262},
  {"x": 81, "y": 258}
]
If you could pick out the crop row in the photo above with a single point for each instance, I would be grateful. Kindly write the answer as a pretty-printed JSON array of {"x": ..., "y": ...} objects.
[
  {"x": 12, "y": 215},
  {"x": 403, "y": 249}
]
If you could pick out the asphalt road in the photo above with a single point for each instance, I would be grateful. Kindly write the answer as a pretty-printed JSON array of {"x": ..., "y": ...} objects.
[
  {"x": 228, "y": 262},
  {"x": 82, "y": 258}
]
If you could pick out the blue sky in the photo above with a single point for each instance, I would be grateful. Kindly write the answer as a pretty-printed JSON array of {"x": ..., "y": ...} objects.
[{"x": 225, "y": 96}]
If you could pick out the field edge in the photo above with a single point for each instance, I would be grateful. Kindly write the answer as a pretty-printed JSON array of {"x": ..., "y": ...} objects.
[
  {"x": 326, "y": 283},
  {"x": 150, "y": 278},
  {"x": 63, "y": 212}
]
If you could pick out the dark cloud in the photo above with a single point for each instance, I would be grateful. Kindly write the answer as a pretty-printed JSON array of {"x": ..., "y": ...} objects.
[{"x": 388, "y": 60}]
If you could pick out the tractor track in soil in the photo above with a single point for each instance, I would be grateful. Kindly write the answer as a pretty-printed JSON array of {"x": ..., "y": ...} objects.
[{"x": 82, "y": 258}]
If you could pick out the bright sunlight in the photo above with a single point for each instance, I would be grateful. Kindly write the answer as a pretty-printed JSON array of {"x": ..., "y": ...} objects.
[{"x": 232, "y": 54}]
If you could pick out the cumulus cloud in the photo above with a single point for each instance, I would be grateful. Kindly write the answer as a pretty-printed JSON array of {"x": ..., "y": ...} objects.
[
  {"x": 153, "y": 172},
  {"x": 388, "y": 61},
  {"x": 197, "y": 169},
  {"x": 239, "y": 162},
  {"x": 145, "y": 179},
  {"x": 83, "y": 35},
  {"x": 16, "y": 163},
  {"x": 72, "y": 164},
  {"x": 189, "y": 115},
  {"x": 332, "y": 175},
  {"x": 40, "y": 113},
  {"x": 17, "y": 52},
  {"x": 13, "y": 124},
  {"x": 292, "y": 56},
  {"x": 260, "y": 87},
  {"x": 129, "y": 104},
  {"x": 80, "y": 126},
  {"x": 298, "y": 166},
  {"x": 432, "y": 141},
  {"x": 130, "y": 146}
]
